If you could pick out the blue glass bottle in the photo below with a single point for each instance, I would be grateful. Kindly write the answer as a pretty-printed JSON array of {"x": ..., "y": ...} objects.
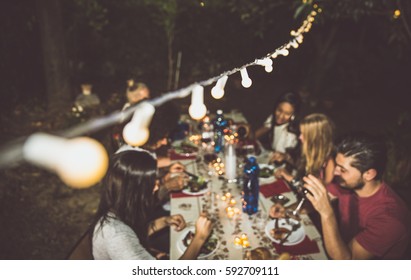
[
  {"x": 220, "y": 123},
  {"x": 250, "y": 186}
]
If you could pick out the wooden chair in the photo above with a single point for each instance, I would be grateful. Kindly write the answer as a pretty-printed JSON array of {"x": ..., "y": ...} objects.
[{"x": 82, "y": 250}]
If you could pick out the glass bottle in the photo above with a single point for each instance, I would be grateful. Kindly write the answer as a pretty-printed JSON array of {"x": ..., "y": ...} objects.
[
  {"x": 250, "y": 186},
  {"x": 220, "y": 123}
]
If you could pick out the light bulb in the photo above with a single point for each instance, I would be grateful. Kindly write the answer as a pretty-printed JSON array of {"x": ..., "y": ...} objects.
[
  {"x": 266, "y": 62},
  {"x": 197, "y": 112},
  {"x": 79, "y": 162},
  {"x": 299, "y": 39},
  {"x": 294, "y": 44},
  {"x": 246, "y": 81},
  {"x": 135, "y": 136},
  {"x": 136, "y": 132},
  {"x": 217, "y": 93},
  {"x": 218, "y": 90},
  {"x": 197, "y": 109},
  {"x": 283, "y": 52},
  {"x": 83, "y": 164}
]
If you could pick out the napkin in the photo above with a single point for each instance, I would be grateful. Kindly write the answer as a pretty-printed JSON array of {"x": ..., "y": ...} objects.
[
  {"x": 176, "y": 156},
  {"x": 275, "y": 188},
  {"x": 307, "y": 246}
]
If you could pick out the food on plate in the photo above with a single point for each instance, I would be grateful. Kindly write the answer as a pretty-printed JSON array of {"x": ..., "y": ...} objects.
[
  {"x": 266, "y": 172},
  {"x": 208, "y": 247},
  {"x": 186, "y": 148},
  {"x": 196, "y": 184},
  {"x": 279, "y": 233},
  {"x": 260, "y": 253}
]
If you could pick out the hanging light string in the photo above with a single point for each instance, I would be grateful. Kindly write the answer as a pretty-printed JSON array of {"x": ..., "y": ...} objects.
[{"x": 22, "y": 149}]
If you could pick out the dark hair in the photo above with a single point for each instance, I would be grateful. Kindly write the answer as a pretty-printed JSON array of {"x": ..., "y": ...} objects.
[
  {"x": 164, "y": 121},
  {"x": 368, "y": 152},
  {"x": 294, "y": 100},
  {"x": 128, "y": 191}
]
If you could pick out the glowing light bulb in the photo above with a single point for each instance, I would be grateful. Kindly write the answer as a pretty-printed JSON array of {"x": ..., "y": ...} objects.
[
  {"x": 197, "y": 109},
  {"x": 267, "y": 63},
  {"x": 136, "y": 132},
  {"x": 299, "y": 39},
  {"x": 293, "y": 33},
  {"x": 294, "y": 43},
  {"x": 218, "y": 90},
  {"x": 135, "y": 136},
  {"x": 246, "y": 81},
  {"x": 283, "y": 52},
  {"x": 397, "y": 14},
  {"x": 79, "y": 162}
]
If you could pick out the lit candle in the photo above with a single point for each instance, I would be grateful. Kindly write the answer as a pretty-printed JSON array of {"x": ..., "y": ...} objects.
[
  {"x": 244, "y": 237},
  {"x": 237, "y": 241},
  {"x": 246, "y": 244}
]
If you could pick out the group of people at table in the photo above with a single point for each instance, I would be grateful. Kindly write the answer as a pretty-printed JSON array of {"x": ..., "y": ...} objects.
[{"x": 370, "y": 221}]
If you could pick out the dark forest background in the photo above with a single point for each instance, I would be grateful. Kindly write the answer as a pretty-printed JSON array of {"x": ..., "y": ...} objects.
[{"x": 354, "y": 65}]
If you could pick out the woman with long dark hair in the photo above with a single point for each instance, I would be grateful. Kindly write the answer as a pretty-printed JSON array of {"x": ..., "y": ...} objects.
[
  {"x": 281, "y": 126},
  {"x": 123, "y": 223}
]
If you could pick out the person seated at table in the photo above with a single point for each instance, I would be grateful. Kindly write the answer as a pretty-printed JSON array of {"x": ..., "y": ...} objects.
[
  {"x": 281, "y": 127},
  {"x": 164, "y": 120},
  {"x": 135, "y": 93},
  {"x": 372, "y": 221},
  {"x": 123, "y": 222},
  {"x": 316, "y": 136}
]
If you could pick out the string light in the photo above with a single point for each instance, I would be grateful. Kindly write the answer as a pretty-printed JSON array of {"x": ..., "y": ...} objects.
[
  {"x": 283, "y": 52},
  {"x": 218, "y": 90},
  {"x": 79, "y": 162},
  {"x": 245, "y": 79},
  {"x": 197, "y": 109},
  {"x": 267, "y": 63},
  {"x": 136, "y": 132},
  {"x": 397, "y": 14}
]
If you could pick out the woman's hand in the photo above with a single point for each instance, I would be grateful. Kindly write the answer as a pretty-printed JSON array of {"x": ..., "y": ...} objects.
[
  {"x": 175, "y": 181},
  {"x": 281, "y": 173},
  {"x": 277, "y": 156},
  {"x": 277, "y": 211},
  {"x": 177, "y": 167},
  {"x": 176, "y": 221},
  {"x": 203, "y": 227}
]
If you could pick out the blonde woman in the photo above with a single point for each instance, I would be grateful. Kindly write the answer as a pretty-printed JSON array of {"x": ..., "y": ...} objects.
[{"x": 316, "y": 136}]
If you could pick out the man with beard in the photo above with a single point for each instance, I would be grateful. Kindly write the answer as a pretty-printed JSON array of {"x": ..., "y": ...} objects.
[{"x": 373, "y": 222}]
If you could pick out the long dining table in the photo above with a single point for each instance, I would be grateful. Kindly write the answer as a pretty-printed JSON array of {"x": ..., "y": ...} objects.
[{"x": 236, "y": 232}]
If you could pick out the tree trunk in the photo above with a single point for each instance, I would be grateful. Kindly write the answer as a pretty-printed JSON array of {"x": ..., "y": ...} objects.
[{"x": 56, "y": 70}]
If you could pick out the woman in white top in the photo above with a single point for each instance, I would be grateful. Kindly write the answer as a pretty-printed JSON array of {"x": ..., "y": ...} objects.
[
  {"x": 123, "y": 223},
  {"x": 281, "y": 126}
]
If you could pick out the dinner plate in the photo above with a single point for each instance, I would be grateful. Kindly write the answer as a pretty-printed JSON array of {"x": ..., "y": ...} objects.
[
  {"x": 267, "y": 180},
  {"x": 187, "y": 191},
  {"x": 295, "y": 237},
  {"x": 182, "y": 248},
  {"x": 178, "y": 150}
]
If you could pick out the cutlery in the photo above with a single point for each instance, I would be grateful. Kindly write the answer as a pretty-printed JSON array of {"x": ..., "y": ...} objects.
[{"x": 294, "y": 227}]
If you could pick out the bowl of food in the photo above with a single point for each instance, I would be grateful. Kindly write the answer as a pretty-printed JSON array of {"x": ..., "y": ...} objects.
[
  {"x": 185, "y": 148},
  {"x": 285, "y": 231},
  {"x": 196, "y": 185},
  {"x": 266, "y": 174}
]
